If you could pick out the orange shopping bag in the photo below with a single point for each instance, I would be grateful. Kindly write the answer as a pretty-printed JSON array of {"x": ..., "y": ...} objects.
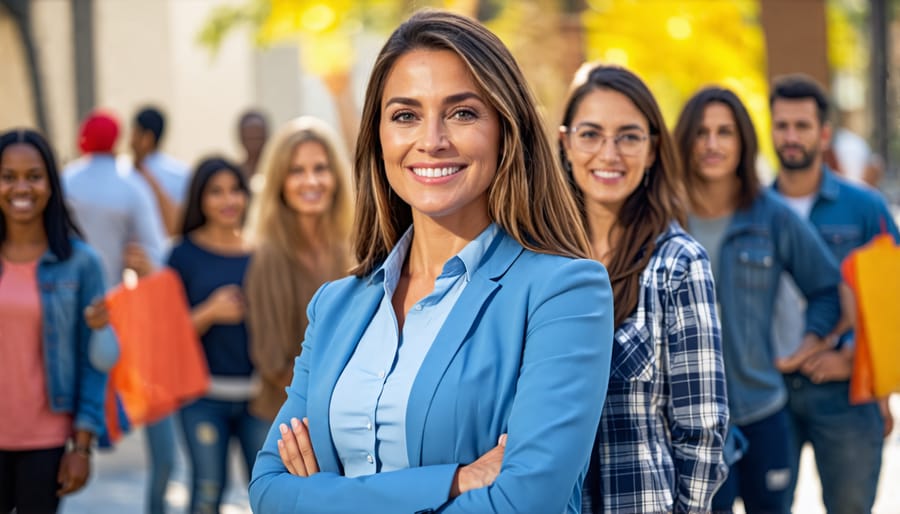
[
  {"x": 161, "y": 364},
  {"x": 873, "y": 272}
]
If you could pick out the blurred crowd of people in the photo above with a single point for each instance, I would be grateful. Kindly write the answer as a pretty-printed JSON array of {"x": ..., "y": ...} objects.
[{"x": 713, "y": 344}]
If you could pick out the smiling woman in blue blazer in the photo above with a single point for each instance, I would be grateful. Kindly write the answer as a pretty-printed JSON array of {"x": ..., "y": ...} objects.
[{"x": 472, "y": 314}]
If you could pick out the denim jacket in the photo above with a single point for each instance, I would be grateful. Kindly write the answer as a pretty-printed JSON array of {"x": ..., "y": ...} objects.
[
  {"x": 759, "y": 243},
  {"x": 848, "y": 215},
  {"x": 74, "y": 384}
]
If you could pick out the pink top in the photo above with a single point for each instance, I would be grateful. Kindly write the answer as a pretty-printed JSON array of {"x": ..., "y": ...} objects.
[{"x": 23, "y": 386}]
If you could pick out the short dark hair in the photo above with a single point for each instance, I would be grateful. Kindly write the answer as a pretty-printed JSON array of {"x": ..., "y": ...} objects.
[
  {"x": 688, "y": 127},
  {"x": 152, "y": 120},
  {"x": 58, "y": 223},
  {"x": 206, "y": 169},
  {"x": 801, "y": 87}
]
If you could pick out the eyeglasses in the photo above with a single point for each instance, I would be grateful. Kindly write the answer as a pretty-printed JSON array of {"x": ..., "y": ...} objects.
[{"x": 587, "y": 139}]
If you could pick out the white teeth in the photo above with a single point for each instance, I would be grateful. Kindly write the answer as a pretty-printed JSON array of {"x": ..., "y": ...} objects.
[
  {"x": 21, "y": 204},
  {"x": 607, "y": 174},
  {"x": 436, "y": 172}
]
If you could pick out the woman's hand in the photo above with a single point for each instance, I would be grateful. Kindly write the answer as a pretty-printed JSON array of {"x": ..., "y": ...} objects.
[
  {"x": 296, "y": 449},
  {"x": 480, "y": 473},
  {"x": 226, "y": 305},
  {"x": 96, "y": 315},
  {"x": 74, "y": 470}
]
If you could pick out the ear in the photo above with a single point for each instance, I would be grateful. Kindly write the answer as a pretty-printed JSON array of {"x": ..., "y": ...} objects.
[
  {"x": 651, "y": 151},
  {"x": 563, "y": 132},
  {"x": 825, "y": 136}
]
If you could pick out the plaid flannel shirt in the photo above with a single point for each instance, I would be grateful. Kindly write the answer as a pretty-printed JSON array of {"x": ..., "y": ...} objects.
[{"x": 659, "y": 445}]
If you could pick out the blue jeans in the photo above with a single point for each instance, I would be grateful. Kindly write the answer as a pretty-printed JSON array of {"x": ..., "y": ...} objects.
[
  {"x": 847, "y": 441},
  {"x": 208, "y": 428},
  {"x": 161, "y": 451},
  {"x": 762, "y": 477}
]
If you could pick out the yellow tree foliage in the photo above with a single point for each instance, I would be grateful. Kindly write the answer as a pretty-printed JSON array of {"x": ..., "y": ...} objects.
[{"x": 678, "y": 47}]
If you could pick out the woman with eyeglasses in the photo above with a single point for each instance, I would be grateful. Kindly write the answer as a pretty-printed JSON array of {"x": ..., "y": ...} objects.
[{"x": 659, "y": 444}]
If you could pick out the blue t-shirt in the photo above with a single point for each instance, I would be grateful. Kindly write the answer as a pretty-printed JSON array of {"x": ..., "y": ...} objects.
[{"x": 202, "y": 272}]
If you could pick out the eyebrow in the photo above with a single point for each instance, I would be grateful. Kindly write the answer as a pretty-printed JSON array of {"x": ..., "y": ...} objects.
[
  {"x": 452, "y": 99},
  {"x": 630, "y": 126}
]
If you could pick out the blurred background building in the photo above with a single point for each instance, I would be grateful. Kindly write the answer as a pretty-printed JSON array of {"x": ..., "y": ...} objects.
[{"x": 205, "y": 61}]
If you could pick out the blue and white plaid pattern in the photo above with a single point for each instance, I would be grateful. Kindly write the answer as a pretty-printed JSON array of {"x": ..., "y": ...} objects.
[{"x": 664, "y": 423}]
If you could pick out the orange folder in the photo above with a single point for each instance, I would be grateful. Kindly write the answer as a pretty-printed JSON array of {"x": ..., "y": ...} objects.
[{"x": 161, "y": 363}]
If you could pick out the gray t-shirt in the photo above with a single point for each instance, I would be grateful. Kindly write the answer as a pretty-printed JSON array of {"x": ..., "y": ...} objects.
[
  {"x": 709, "y": 232},
  {"x": 789, "y": 320}
]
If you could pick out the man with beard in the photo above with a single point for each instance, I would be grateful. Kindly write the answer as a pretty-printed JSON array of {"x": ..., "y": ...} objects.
[{"x": 847, "y": 439}]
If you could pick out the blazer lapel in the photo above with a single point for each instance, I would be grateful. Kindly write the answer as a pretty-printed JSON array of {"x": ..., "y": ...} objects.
[
  {"x": 340, "y": 340},
  {"x": 477, "y": 292}
]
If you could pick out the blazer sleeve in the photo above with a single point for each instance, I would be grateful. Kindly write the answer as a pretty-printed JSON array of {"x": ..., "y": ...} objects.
[
  {"x": 698, "y": 405},
  {"x": 551, "y": 428},
  {"x": 559, "y": 395}
]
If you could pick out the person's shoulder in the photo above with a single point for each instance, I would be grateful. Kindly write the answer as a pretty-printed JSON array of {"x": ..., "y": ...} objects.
[
  {"x": 857, "y": 192},
  {"x": 82, "y": 252},
  {"x": 551, "y": 263},
  {"x": 169, "y": 164},
  {"x": 675, "y": 244}
]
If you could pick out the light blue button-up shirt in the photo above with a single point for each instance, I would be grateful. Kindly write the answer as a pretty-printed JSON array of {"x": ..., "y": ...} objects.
[
  {"x": 368, "y": 405},
  {"x": 113, "y": 209}
]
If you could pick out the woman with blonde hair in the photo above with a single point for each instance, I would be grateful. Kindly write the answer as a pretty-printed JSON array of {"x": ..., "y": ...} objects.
[
  {"x": 462, "y": 368},
  {"x": 299, "y": 224}
]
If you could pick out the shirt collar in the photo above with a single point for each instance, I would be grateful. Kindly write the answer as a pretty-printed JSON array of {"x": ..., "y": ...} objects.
[
  {"x": 470, "y": 257},
  {"x": 829, "y": 189}
]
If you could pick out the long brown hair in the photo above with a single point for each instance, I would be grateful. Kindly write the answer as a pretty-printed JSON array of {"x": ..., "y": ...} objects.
[
  {"x": 648, "y": 211},
  {"x": 688, "y": 128},
  {"x": 528, "y": 197}
]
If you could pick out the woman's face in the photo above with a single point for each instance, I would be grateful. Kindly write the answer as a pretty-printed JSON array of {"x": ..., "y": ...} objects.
[
  {"x": 224, "y": 202},
  {"x": 310, "y": 184},
  {"x": 440, "y": 137},
  {"x": 24, "y": 184},
  {"x": 717, "y": 148},
  {"x": 608, "y": 144}
]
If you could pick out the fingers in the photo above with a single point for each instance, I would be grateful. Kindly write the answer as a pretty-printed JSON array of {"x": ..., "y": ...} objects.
[
  {"x": 301, "y": 432},
  {"x": 292, "y": 457},
  {"x": 73, "y": 473}
]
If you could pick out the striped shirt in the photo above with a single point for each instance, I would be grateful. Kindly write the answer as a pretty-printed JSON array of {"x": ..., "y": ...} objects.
[{"x": 659, "y": 445}]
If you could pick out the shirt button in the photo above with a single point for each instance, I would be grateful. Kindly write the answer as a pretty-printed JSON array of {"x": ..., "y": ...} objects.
[
  {"x": 369, "y": 425},
  {"x": 369, "y": 459},
  {"x": 381, "y": 374},
  {"x": 418, "y": 306}
]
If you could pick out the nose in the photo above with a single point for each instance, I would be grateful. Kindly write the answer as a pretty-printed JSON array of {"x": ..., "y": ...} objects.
[
  {"x": 712, "y": 142},
  {"x": 434, "y": 135},
  {"x": 608, "y": 150}
]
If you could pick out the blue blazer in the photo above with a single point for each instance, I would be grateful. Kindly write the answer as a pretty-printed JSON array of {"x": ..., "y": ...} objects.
[{"x": 525, "y": 351}]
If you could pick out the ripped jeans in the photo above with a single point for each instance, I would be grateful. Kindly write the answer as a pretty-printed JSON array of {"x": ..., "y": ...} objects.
[
  {"x": 209, "y": 426},
  {"x": 762, "y": 477}
]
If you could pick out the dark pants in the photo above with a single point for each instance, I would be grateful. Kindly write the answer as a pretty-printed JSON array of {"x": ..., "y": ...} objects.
[
  {"x": 762, "y": 478},
  {"x": 209, "y": 426},
  {"x": 28, "y": 480}
]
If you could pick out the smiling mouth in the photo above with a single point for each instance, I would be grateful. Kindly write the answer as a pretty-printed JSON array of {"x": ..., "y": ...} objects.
[
  {"x": 21, "y": 204},
  {"x": 436, "y": 172},
  {"x": 604, "y": 174}
]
